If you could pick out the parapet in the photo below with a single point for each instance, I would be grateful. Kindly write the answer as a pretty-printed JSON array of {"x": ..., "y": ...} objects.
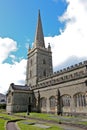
[
  {"x": 69, "y": 68},
  {"x": 58, "y": 77},
  {"x": 61, "y": 79}
]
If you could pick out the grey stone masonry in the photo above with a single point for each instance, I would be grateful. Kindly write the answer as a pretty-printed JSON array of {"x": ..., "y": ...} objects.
[
  {"x": 39, "y": 63},
  {"x": 39, "y": 37}
]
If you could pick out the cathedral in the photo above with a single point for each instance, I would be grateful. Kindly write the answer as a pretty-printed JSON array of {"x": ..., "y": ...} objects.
[{"x": 61, "y": 92}]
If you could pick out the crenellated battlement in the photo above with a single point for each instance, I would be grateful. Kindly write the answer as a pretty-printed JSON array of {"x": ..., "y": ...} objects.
[
  {"x": 63, "y": 76},
  {"x": 61, "y": 79},
  {"x": 65, "y": 70}
]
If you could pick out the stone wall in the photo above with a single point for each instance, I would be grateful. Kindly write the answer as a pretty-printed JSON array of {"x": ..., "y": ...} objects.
[{"x": 68, "y": 83}]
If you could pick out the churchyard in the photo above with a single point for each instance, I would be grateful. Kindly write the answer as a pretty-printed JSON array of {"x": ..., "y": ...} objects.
[{"x": 40, "y": 121}]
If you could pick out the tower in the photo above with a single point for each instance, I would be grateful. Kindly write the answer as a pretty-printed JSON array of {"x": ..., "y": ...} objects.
[{"x": 39, "y": 62}]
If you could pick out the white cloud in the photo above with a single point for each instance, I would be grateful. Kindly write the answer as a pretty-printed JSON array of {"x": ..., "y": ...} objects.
[
  {"x": 14, "y": 73},
  {"x": 10, "y": 73},
  {"x": 72, "y": 42},
  {"x": 7, "y": 46},
  {"x": 73, "y": 39}
]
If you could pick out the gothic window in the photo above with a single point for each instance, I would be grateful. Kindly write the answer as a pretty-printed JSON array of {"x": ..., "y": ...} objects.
[
  {"x": 80, "y": 100},
  {"x": 29, "y": 100},
  {"x": 30, "y": 74},
  {"x": 52, "y": 101},
  {"x": 44, "y": 73},
  {"x": 43, "y": 102},
  {"x": 44, "y": 62},
  {"x": 86, "y": 82},
  {"x": 31, "y": 62},
  {"x": 65, "y": 99},
  {"x": 34, "y": 101}
]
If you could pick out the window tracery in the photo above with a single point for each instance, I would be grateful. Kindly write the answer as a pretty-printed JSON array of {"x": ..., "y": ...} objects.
[
  {"x": 80, "y": 100},
  {"x": 52, "y": 101},
  {"x": 65, "y": 100},
  {"x": 43, "y": 102}
]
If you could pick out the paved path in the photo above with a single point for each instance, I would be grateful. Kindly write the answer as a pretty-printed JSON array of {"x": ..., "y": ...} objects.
[
  {"x": 65, "y": 127},
  {"x": 11, "y": 126}
]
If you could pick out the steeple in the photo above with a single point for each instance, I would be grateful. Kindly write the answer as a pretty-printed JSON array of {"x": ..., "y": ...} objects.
[
  {"x": 39, "y": 37},
  {"x": 39, "y": 62}
]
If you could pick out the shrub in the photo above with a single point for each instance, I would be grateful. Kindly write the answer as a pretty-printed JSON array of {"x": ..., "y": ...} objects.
[{"x": 2, "y": 106}]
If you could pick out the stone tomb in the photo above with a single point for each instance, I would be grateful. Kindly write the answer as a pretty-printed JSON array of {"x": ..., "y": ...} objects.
[{"x": 37, "y": 124}]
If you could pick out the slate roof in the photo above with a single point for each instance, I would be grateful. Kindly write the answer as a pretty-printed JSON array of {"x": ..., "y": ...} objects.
[{"x": 20, "y": 87}]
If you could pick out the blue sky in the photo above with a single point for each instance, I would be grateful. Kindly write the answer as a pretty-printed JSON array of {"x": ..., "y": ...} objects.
[
  {"x": 64, "y": 25},
  {"x": 19, "y": 18}
]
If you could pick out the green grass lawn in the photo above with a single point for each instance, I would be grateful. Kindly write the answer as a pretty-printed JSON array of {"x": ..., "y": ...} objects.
[
  {"x": 83, "y": 122},
  {"x": 23, "y": 126},
  {"x": 8, "y": 117},
  {"x": 43, "y": 116},
  {"x": 3, "y": 120},
  {"x": 2, "y": 124},
  {"x": 40, "y": 116},
  {"x": 4, "y": 117}
]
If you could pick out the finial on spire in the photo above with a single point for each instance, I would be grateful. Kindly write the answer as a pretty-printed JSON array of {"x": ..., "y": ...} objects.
[
  {"x": 38, "y": 12},
  {"x": 39, "y": 37}
]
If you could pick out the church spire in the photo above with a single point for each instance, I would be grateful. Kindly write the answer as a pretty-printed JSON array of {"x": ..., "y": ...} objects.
[{"x": 39, "y": 37}]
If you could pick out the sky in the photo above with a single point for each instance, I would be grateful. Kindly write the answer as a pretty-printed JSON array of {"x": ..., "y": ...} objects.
[{"x": 64, "y": 26}]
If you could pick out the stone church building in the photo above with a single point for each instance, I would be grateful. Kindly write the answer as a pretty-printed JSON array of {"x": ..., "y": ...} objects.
[{"x": 62, "y": 92}]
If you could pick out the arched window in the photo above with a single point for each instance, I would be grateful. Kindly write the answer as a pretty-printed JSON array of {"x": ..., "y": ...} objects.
[
  {"x": 34, "y": 100},
  {"x": 52, "y": 101},
  {"x": 80, "y": 100},
  {"x": 44, "y": 73},
  {"x": 65, "y": 100},
  {"x": 43, "y": 102},
  {"x": 31, "y": 62},
  {"x": 86, "y": 82},
  {"x": 30, "y": 74},
  {"x": 29, "y": 100},
  {"x": 44, "y": 61}
]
